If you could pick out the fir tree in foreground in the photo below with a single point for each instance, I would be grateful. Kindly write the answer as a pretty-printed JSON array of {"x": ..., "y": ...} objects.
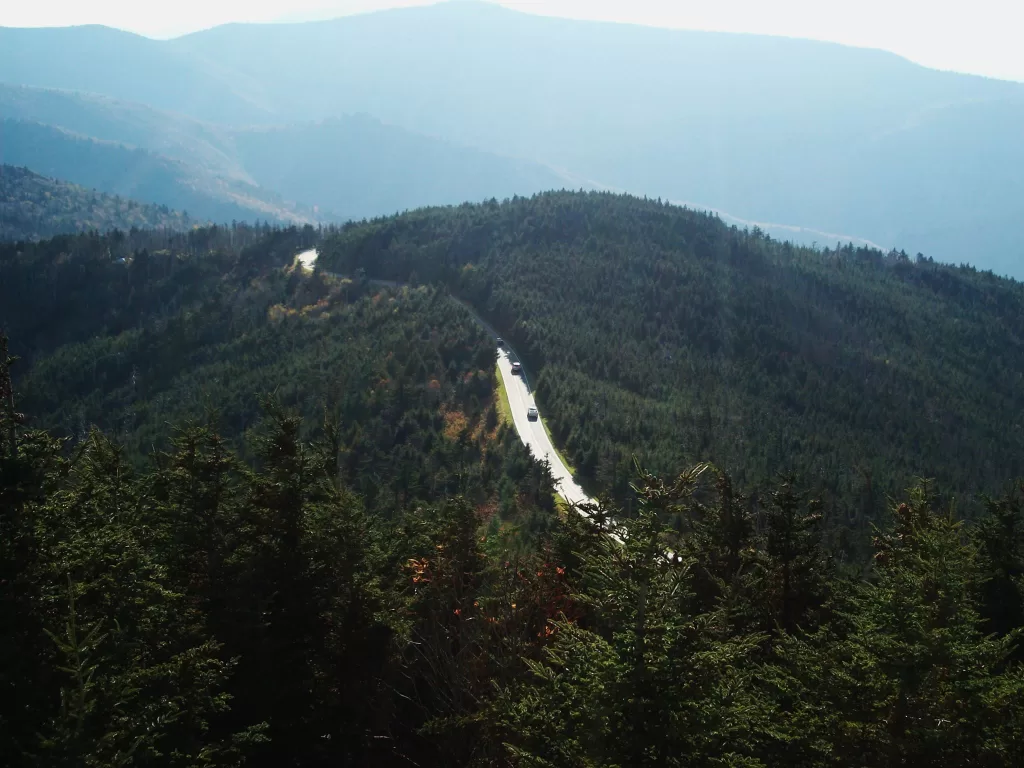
[{"x": 210, "y": 610}]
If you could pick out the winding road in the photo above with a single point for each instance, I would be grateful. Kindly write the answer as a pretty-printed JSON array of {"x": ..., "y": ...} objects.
[
  {"x": 532, "y": 433},
  {"x": 520, "y": 399}
]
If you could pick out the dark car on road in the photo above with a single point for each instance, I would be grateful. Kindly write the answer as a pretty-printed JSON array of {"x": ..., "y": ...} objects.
[
  {"x": 532, "y": 414},
  {"x": 517, "y": 368}
]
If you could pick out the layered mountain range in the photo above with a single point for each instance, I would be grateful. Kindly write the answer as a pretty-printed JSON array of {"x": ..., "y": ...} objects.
[{"x": 368, "y": 115}]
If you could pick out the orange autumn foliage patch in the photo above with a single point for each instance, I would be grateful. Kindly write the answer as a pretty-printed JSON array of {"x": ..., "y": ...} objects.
[
  {"x": 279, "y": 311},
  {"x": 318, "y": 308},
  {"x": 420, "y": 569},
  {"x": 455, "y": 423}
]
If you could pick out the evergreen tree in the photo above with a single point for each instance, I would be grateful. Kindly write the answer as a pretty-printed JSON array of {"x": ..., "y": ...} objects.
[
  {"x": 199, "y": 488},
  {"x": 796, "y": 577},
  {"x": 305, "y": 617},
  {"x": 646, "y": 681},
  {"x": 138, "y": 678},
  {"x": 29, "y": 464},
  {"x": 1000, "y": 538},
  {"x": 907, "y": 675}
]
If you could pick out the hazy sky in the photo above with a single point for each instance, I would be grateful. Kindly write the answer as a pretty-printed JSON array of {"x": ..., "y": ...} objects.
[{"x": 978, "y": 36}]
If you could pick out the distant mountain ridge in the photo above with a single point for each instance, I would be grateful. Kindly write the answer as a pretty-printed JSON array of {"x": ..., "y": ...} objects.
[
  {"x": 123, "y": 65},
  {"x": 34, "y": 207},
  {"x": 358, "y": 167},
  {"x": 134, "y": 124},
  {"x": 778, "y": 130},
  {"x": 795, "y": 132},
  {"x": 136, "y": 173},
  {"x": 345, "y": 167}
]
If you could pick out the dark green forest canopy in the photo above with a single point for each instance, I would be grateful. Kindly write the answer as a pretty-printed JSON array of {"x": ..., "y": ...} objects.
[
  {"x": 34, "y": 207},
  {"x": 656, "y": 330},
  {"x": 205, "y": 611},
  {"x": 138, "y": 332},
  {"x": 334, "y": 574}
]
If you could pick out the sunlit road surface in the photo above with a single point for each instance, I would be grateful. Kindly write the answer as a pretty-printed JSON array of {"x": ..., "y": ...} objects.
[
  {"x": 532, "y": 433},
  {"x": 307, "y": 258}
]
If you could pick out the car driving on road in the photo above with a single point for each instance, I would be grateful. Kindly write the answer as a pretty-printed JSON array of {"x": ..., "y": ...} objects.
[
  {"x": 517, "y": 368},
  {"x": 532, "y": 414}
]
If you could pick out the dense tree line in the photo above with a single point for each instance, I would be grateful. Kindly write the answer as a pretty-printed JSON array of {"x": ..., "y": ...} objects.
[
  {"x": 252, "y": 515},
  {"x": 660, "y": 331},
  {"x": 133, "y": 333},
  {"x": 33, "y": 206},
  {"x": 211, "y": 611},
  {"x": 76, "y": 287}
]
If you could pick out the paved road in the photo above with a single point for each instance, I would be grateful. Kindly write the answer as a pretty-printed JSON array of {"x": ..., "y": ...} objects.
[
  {"x": 532, "y": 433},
  {"x": 520, "y": 398},
  {"x": 307, "y": 258}
]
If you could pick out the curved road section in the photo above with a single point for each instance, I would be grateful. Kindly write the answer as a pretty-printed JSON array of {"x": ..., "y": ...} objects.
[
  {"x": 532, "y": 433},
  {"x": 521, "y": 400}
]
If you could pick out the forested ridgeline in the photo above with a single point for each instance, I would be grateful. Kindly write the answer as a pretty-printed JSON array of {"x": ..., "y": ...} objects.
[
  {"x": 210, "y": 611},
  {"x": 136, "y": 333},
  {"x": 300, "y": 537},
  {"x": 73, "y": 288},
  {"x": 656, "y": 330},
  {"x": 33, "y": 207}
]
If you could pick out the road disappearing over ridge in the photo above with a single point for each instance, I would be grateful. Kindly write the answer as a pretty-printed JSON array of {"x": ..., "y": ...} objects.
[
  {"x": 520, "y": 399},
  {"x": 307, "y": 258}
]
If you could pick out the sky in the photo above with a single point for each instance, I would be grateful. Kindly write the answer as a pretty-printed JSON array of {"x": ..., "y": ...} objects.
[{"x": 976, "y": 36}]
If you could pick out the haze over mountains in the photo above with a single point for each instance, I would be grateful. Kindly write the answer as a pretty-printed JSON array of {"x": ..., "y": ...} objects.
[
  {"x": 346, "y": 167},
  {"x": 481, "y": 101}
]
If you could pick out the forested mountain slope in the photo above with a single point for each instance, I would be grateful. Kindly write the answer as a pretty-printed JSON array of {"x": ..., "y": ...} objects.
[
  {"x": 659, "y": 331},
  {"x": 359, "y": 592},
  {"x": 34, "y": 207},
  {"x": 300, "y": 437},
  {"x": 136, "y": 332},
  {"x": 302, "y": 536}
]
